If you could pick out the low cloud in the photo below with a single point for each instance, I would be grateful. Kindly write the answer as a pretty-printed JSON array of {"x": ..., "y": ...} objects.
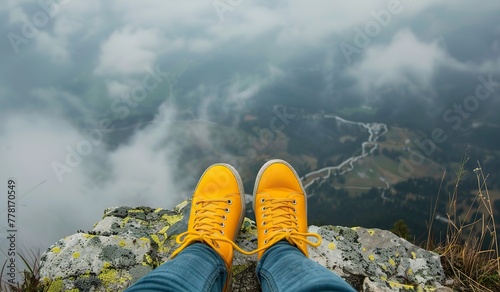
[
  {"x": 129, "y": 51},
  {"x": 404, "y": 61},
  {"x": 141, "y": 172},
  {"x": 30, "y": 143}
]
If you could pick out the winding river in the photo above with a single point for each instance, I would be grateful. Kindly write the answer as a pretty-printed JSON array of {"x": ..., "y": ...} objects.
[{"x": 375, "y": 131}]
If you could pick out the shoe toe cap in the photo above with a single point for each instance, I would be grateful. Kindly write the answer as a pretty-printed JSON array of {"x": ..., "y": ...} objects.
[
  {"x": 279, "y": 175},
  {"x": 217, "y": 180}
]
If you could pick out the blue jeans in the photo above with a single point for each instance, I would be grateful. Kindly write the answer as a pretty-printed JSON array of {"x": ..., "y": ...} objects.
[{"x": 282, "y": 268}]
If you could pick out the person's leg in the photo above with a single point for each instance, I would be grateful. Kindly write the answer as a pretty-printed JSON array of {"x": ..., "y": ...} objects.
[
  {"x": 197, "y": 268},
  {"x": 280, "y": 206},
  {"x": 284, "y": 268},
  {"x": 217, "y": 211}
]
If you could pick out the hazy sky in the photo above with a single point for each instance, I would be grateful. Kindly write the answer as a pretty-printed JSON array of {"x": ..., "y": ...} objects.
[{"x": 68, "y": 67}]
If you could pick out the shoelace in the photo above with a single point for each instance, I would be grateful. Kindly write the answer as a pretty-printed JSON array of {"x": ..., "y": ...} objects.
[
  {"x": 207, "y": 227},
  {"x": 282, "y": 223},
  {"x": 278, "y": 215}
]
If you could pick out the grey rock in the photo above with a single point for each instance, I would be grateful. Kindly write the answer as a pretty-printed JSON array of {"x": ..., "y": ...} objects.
[
  {"x": 376, "y": 260},
  {"x": 130, "y": 242}
]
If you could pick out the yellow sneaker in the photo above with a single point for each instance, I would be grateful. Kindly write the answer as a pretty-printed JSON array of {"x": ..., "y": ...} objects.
[
  {"x": 217, "y": 212},
  {"x": 280, "y": 206}
]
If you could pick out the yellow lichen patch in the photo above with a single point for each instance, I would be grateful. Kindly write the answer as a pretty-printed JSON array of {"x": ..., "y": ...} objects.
[
  {"x": 125, "y": 221},
  {"x": 249, "y": 221},
  {"x": 86, "y": 275},
  {"x": 144, "y": 241},
  {"x": 171, "y": 219},
  {"x": 56, "y": 249},
  {"x": 76, "y": 255},
  {"x": 86, "y": 235},
  {"x": 161, "y": 247},
  {"x": 73, "y": 290},
  {"x": 181, "y": 205},
  {"x": 371, "y": 257},
  {"x": 111, "y": 276},
  {"x": 45, "y": 282},
  {"x": 149, "y": 261},
  {"x": 363, "y": 249},
  {"x": 164, "y": 230},
  {"x": 108, "y": 276},
  {"x": 56, "y": 285},
  {"x": 392, "y": 262},
  {"x": 135, "y": 211},
  {"x": 384, "y": 267},
  {"x": 413, "y": 255},
  {"x": 397, "y": 254},
  {"x": 237, "y": 269},
  {"x": 122, "y": 243},
  {"x": 409, "y": 271},
  {"x": 371, "y": 232},
  {"x": 106, "y": 265},
  {"x": 249, "y": 226},
  {"x": 125, "y": 278},
  {"x": 169, "y": 244},
  {"x": 383, "y": 278},
  {"x": 332, "y": 246},
  {"x": 355, "y": 228},
  {"x": 400, "y": 286},
  {"x": 158, "y": 210}
]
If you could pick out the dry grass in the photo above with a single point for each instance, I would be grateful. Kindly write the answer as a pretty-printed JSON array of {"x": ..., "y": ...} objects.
[
  {"x": 30, "y": 276},
  {"x": 470, "y": 252}
]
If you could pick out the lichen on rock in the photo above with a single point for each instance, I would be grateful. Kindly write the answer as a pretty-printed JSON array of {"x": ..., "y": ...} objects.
[
  {"x": 378, "y": 257},
  {"x": 130, "y": 242}
]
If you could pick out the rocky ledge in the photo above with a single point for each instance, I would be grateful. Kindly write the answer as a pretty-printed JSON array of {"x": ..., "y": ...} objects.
[{"x": 129, "y": 242}]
